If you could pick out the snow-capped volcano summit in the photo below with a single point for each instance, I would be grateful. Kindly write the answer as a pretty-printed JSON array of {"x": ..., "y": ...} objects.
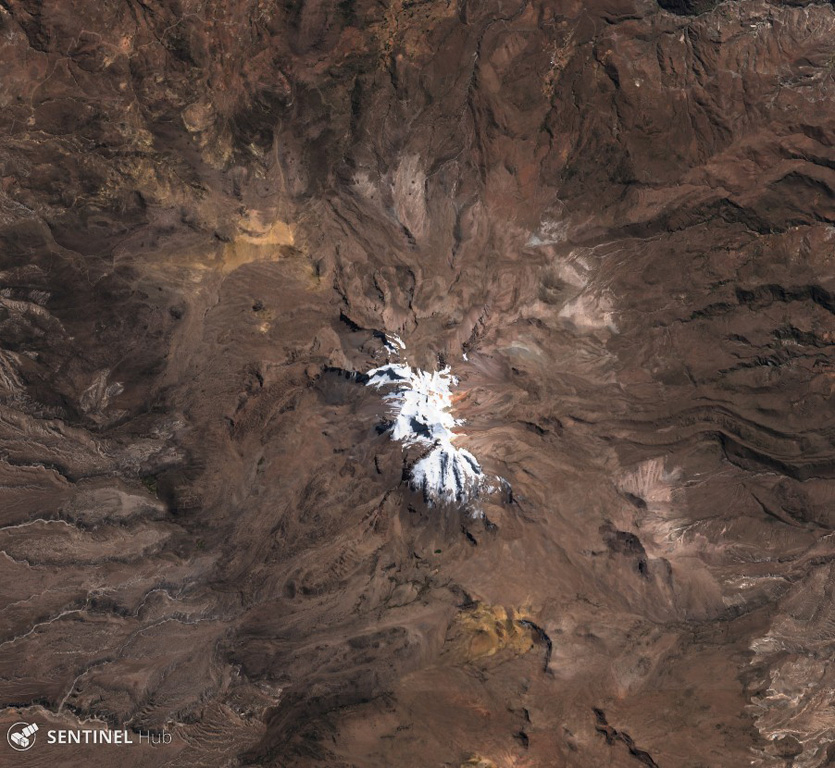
[{"x": 420, "y": 403}]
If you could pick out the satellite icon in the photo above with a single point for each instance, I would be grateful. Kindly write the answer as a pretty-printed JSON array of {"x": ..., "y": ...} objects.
[{"x": 21, "y": 736}]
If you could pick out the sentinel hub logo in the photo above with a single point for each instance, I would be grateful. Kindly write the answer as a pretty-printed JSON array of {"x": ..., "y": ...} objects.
[{"x": 21, "y": 736}]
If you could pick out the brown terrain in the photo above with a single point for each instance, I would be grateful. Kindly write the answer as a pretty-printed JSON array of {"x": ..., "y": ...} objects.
[{"x": 614, "y": 220}]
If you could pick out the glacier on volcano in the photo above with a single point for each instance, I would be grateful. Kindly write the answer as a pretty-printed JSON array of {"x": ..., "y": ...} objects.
[{"x": 420, "y": 403}]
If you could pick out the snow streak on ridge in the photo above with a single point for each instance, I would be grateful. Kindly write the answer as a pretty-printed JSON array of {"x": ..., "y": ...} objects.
[{"x": 420, "y": 403}]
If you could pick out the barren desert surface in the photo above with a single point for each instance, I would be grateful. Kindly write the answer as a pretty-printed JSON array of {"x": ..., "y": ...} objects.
[{"x": 417, "y": 383}]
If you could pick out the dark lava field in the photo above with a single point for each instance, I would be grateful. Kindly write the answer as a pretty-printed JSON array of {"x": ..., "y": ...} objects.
[{"x": 598, "y": 235}]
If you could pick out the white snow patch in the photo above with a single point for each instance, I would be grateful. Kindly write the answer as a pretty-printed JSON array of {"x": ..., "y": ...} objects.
[
  {"x": 420, "y": 403},
  {"x": 393, "y": 339}
]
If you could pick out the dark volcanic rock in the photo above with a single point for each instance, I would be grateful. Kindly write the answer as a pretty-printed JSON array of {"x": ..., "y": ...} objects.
[
  {"x": 688, "y": 7},
  {"x": 614, "y": 220}
]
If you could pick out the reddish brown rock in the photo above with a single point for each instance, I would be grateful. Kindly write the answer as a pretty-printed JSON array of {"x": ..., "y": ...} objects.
[{"x": 614, "y": 220}]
